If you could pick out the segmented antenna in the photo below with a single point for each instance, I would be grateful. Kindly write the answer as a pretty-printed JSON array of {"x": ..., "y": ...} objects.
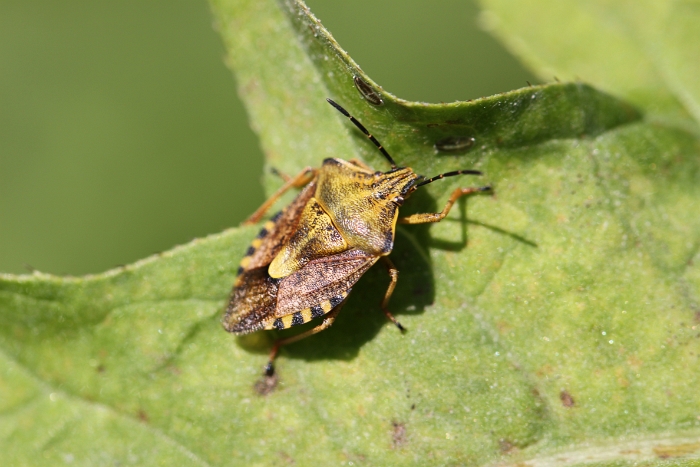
[
  {"x": 449, "y": 174},
  {"x": 364, "y": 130}
]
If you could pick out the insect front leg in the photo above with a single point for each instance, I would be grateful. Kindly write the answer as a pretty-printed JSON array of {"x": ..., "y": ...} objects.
[
  {"x": 394, "y": 275},
  {"x": 426, "y": 217},
  {"x": 327, "y": 321},
  {"x": 304, "y": 177}
]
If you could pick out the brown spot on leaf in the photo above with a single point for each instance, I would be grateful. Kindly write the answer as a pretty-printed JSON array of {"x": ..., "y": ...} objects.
[
  {"x": 455, "y": 144},
  {"x": 143, "y": 416},
  {"x": 503, "y": 326},
  {"x": 544, "y": 370},
  {"x": 679, "y": 450},
  {"x": 367, "y": 91},
  {"x": 634, "y": 362},
  {"x": 398, "y": 437},
  {"x": 621, "y": 379},
  {"x": 506, "y": 446},
  {"x": 566, "y": 399},
  {"x": 266, "y": 384},
  {"x": 286, "y": 458}
]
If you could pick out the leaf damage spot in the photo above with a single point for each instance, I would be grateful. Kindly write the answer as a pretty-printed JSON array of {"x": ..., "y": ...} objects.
[
  {"x": 367, "y": 92},
  {"x": 398, "y": 437},
  {"x": 506, "y": 446},
  {"x": 286, "y": 458},
  {"x": 679, "y": 450},
  {"x": 266, "y": 384},
  {"x": 455, "y": 144},
  {"x": 566, "y": 399}
]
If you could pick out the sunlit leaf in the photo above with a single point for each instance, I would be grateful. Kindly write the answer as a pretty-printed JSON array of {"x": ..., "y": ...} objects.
[{"x": 554, "y": 323}]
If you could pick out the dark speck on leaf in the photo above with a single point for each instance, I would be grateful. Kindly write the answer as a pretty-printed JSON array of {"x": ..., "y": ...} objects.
[
  {"x": 505, "y": 445},
  {"x": 566, "y": 399},
  {"x": 399, "y": 435},
  {"x": 266, "y": 384}
]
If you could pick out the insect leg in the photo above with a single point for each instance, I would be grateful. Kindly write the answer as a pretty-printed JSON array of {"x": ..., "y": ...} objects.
[
  {"x": 304, "y": 177},
  {"x": 423, "y": 218},
  {"x": 327, "y": 321},
  {"x": 281, "y": 175},
  {"x": 394, "y": 275}
]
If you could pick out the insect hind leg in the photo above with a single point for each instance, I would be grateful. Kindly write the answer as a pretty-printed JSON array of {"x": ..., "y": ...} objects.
[{"x": 327, "y": 322}]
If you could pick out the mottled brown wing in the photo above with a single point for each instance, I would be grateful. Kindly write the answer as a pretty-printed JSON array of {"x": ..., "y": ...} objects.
[
  {"x": 261, "y": 302},
  {"x": 253, "y": 298},
  {"x": 317, "y": 288},
  {"x": 253, "y": 301}
]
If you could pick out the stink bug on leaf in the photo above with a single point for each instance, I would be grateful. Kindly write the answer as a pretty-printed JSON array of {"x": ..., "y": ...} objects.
[{"x": 305, "y": 260}]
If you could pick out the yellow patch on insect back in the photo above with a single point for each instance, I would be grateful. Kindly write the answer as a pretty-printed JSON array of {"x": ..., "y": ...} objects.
[{"x": 316, "y": 237}]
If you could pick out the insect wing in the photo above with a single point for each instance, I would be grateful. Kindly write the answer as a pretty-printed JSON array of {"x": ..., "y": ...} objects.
[
  {"x": 253, "y": 298},
  {"x": 252, "y": 302},
  {"x": 318, "y": 287},
  {"x": 261, "y": 302}
]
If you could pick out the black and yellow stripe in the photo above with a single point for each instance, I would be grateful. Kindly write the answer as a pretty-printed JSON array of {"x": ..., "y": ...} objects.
[
  {"x": 254, "y": 245},
  {"x": 307, "y": 314}
]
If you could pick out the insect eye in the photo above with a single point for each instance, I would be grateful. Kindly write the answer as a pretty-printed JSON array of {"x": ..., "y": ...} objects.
[{"x": 398, "y": 200}]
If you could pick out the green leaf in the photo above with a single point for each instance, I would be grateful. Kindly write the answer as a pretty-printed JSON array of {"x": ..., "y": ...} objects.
[
  {"x": 645, "y": 51},
  {"x": 566, "y": 330}
]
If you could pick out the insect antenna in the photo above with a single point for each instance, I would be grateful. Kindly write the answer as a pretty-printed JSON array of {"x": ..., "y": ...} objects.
[
  {"x": 364, "y": 130},
  {"x": 449, "y": 174}
]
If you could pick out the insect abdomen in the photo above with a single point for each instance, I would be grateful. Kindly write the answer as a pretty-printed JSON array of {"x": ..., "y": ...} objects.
[{"x": 307, "y": 314}]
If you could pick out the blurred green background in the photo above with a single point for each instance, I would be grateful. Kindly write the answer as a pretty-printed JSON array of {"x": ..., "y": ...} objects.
[{"x": 121, "y": 133}]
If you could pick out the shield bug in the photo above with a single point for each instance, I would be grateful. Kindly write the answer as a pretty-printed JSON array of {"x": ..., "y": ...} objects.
[{"x": 306, "y": 259}]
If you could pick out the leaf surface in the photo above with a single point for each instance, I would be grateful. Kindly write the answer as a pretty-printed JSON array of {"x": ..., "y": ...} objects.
[
  {"x": 644, "y": 51},
  {"x": 554, "y": 323}
]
